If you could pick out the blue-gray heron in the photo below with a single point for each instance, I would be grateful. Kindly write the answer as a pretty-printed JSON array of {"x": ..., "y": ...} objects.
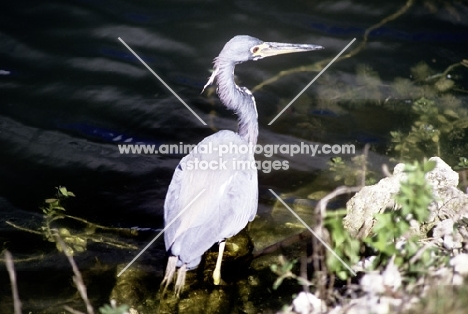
[{"x": 230, "y": 193}]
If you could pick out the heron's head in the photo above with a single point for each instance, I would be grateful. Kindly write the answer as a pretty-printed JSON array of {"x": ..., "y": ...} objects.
[{"x": 243, "y": 48}]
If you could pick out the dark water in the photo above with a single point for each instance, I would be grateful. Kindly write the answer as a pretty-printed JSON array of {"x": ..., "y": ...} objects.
[{"x": 70, "y": 91}]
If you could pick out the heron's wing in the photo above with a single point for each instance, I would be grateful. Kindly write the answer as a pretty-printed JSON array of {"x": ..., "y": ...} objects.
[
  {"x": 191, "y": 197},
  {"x": 228, "y": 202},
  {"x": 239, "y": 206}
]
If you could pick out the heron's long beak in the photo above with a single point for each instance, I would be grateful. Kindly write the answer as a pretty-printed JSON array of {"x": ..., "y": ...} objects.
[{"x": 268, "y": 49}]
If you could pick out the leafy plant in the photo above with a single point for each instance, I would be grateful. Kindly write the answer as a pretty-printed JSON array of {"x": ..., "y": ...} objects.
[
  {"x": 54, "y": 210},
  {"x": 349, "y": 172},
  {"x": 432, "y": 128},
  {"x": 394, "y": 225},
  {"x": 415, "y": 193},
  {"x": 345, "y": 246},
  {"x": 74, "y": 241},
  {"x": 462, "y": 164},
  {"x": 114, "y": 309},
  {"x": 390, "y": 229},
  {"x": 284, "y": 270}
]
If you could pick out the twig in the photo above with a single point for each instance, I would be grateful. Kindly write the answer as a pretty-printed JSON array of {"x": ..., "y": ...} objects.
[
  {"x": 14, "y": 288},
  {"x": 385, "y": 171},
  {"x": 320, "y": 213},
  {"x": 322, "y": 204},
  {"x": 22, "y": 260},
  {"x": 71, "y": 310},
  {"x": 284, "y": 243},
  {"x": 112, "y": 242},
  {"x": 365, "y": 153},
  {"x": 123, "y": 230},
  {"x": 303, "y": 269},
  {"x": 23, "y": 229},
  {"x": 443, "y": 74},
  {"x": 420, "y": 252},
  {"x": 317, "y": 249},
  {"x": 77, "y": 279},
  {"x": 319, "y": 65},
  {"x": 101, "y": 239}
]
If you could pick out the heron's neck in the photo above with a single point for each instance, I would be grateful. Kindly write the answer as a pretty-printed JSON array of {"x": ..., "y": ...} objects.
[{"x": 239, "y": 99}]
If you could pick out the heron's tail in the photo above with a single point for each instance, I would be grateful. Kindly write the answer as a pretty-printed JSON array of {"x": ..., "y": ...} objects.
[{"x": 171, "y": 269}]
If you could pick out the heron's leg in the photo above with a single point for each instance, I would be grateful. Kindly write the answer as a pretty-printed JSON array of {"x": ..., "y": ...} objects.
[
  {"x": 180, "y": 281},
  {"x": 170, "y": 272},
  {"x": 217, "y": 271}
]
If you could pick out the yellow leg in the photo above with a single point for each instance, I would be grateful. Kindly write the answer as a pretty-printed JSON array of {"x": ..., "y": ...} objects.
[{"x": 217, "y": 271}]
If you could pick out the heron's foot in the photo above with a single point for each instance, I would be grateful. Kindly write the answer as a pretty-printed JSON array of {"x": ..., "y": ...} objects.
[
  {"x": 217, "y": 277},
  {"x": 180, "y": 282},
  {"x": 217, "y": 271}
]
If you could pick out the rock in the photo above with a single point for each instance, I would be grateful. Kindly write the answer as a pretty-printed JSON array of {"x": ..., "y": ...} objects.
[
  {"x": 374, "y": 304},
  {"x": 373, "y": 283},
  {"x": 443, "y": 228},
  {"x": 392, "y": 277},
  {"x": 449, "y": 202},
  {"x": 307, "y": 303},
  {"x": 460, "y": 264}
]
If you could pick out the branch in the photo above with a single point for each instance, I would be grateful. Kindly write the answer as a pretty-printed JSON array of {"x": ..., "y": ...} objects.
[
  {"x": 14, "y": 288},
  {"x": 318, "y": 66},
  {"x": 23, "y": 229},
  {"x": 77, "y": 279}
]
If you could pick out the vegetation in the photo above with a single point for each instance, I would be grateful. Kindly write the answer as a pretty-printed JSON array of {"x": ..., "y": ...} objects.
[
  {"x": 391, "y": 228},
  {"x": 393, "y": 242},
  {"x": 75, "y": 241},
  {"x": 348, "y": 173},
  {"x": 70, "y": 243},
  {"x": 434, "y": 122}
]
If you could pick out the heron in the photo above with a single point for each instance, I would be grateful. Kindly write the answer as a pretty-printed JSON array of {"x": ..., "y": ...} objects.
[{"x": 227, "y": 194}]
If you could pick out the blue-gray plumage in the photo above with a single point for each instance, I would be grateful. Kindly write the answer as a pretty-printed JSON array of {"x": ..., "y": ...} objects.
[{"x": 230, "y": 192}]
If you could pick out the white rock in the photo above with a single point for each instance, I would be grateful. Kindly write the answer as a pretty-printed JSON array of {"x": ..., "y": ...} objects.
[
  {"x": 368, "y": 304},
  {"x": 363, "y": 265},
  {"x": 449, "y": 201},
  {"x": 457, "y": 280},
  {"x": 460, "y": 263},
  {"x": 443, "y": 228},
  {"x": 391, "y": 276},
  {"x": 373, "y": 283},
  {"x": 307, "y": 303}
]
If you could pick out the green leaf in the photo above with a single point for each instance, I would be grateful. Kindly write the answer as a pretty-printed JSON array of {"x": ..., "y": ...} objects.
[
  {"x": 442, "y": 118},
  {"x": 429, "y": 165},
  {"x": 63, "y": 190},
  {"x": 343, "y": 275},
  {"x": 278, "y": 282},
  {"x": 107, "y": 309},
  {"x": 451, "y": 113}
]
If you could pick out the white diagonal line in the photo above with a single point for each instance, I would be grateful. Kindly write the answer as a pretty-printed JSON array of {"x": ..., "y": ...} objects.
[
  {"x": 311, "y": 82},
  {"x": 312, "y": 231},
  {"x": 161, "y": 80},
  {"x": 159, "y": 234}
]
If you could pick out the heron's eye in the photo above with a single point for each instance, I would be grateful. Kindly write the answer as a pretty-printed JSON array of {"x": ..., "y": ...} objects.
[{"x": 255, "y": 49}]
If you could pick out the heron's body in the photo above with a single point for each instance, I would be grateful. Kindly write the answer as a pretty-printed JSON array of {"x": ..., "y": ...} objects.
[
  {"x": 228, "y": 192},
  {"x": 230, "y": 195}
]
